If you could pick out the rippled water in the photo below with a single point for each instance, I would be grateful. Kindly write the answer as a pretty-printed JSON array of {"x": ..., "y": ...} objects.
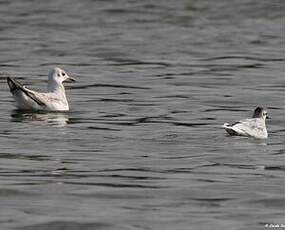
[{"x": 142, "y": 147}]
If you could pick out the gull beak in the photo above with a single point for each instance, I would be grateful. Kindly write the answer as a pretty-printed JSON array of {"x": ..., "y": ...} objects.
[{"x": 69, "y": 79}]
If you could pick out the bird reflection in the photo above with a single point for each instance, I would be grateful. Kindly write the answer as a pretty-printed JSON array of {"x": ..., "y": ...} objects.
[{"x": 41, "y": 118}]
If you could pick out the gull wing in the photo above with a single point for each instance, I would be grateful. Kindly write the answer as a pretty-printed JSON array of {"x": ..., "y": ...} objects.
[
  {"x": 16, "y": 86},
  {"x": 246, "y": 127}
]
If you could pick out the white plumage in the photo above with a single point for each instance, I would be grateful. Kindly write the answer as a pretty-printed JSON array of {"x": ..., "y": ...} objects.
[
  {"x": 53, "y": 100},
  {"x": 252, "y": 127}
]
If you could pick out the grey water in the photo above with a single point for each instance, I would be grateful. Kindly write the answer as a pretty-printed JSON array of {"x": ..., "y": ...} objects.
[{"x": 142, "y": 146}]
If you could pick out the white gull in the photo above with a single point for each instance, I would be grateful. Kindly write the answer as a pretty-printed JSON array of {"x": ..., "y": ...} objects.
[
  {"x": 252, "y": 127},
  {"x": 53, "y": 100}
]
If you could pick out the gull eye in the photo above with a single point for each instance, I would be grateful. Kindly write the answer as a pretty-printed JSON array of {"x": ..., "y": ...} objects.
[
  {"x": 58, "y": 75},
  {"x": 63, "y": 74}
]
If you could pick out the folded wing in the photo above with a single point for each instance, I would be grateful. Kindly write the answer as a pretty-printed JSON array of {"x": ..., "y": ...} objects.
[
  {"x": 247, "y": 127},
  {"x": 16, "y": 87}
]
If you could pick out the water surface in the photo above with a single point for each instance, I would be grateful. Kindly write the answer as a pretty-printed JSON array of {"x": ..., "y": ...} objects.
[{"x": 142, "y": 147}]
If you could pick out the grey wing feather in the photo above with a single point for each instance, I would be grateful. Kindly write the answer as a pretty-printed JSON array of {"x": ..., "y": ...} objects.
[
  {"x": 14, "y": 85},
  {"x": 233, "y": 124}
]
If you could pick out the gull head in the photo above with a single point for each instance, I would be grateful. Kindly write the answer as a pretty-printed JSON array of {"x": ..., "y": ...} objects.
[
  {"x": 55, "y": 79},
  {"x": 259, "y": 112},
  {"x": 58, "y": 75}
]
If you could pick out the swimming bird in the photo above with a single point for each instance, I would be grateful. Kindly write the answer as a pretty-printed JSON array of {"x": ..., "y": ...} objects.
[
  {"x": 53, "y": 100},
  {"x": 252, "y": 127}
]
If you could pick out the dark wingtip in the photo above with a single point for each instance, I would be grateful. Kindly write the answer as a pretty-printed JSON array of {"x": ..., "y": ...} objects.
[
  {"x": 8, "y": 79},
  {"x": 11, "y": 84}
]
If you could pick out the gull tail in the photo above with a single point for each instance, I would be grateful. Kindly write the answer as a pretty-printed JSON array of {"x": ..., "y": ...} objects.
[
  {"x": 226, "y": 125},
  {"x": 229, "y": 129}
]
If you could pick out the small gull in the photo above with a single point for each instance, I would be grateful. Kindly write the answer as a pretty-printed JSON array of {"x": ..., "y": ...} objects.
[
  {"x": 253, "y": 127},
  {"x": 53, "y": 100}
]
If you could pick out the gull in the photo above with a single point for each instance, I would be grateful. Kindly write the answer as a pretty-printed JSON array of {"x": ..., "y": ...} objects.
[
  {"x": 252, "y": 127},
  {"x": 53, "y": 100}
]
